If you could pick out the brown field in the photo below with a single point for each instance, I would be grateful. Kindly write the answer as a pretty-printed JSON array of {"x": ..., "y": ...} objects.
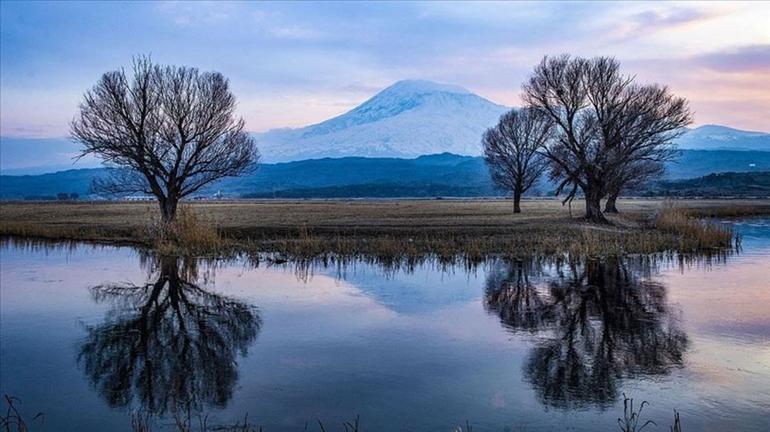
[{"x": 384, "y": 227}]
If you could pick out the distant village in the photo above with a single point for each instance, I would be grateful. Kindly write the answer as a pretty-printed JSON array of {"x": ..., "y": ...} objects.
[{"x": 64, "y": 196}]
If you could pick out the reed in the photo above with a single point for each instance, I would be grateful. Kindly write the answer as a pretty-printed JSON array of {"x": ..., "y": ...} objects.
[
  {"x": 187, "y": 234},
  {"x": 729, "y": 212},
  {"x": 581, "y": 240},
  {"x": 13, "y": 421},
  {"x": 677, "y": 426},
  {"x": 694, "y": 233},
  {"x": 632, "y": 417},
  {"x": 63, "y": 232},
  {"x": 391, "y": 230}
]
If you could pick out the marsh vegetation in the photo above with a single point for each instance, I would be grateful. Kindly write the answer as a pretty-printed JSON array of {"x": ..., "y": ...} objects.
[{"x": 472, "y": 229}]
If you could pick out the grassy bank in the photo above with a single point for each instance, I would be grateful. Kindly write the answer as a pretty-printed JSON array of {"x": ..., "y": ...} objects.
[{"x": 394, "y": 228}]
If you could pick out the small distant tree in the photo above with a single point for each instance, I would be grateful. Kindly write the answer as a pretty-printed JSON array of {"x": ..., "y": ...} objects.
[
  {"x": 165, "y": 131},
  {"x": 512, "y": 151},
  {"x": 62, "y": 196}
]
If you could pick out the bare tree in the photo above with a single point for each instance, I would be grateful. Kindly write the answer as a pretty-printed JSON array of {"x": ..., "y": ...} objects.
[
  {"x": 512, "y": 151},
  {"x": 166, "y": 131},
  {"x": 604, "y": 123},
  {"x": 652, "y": 119}
]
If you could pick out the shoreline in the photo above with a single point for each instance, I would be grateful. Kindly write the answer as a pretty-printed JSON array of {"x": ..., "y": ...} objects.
[{"x": 385, "y": 229}]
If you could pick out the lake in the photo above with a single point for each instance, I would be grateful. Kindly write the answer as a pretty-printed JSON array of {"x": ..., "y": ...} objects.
[{"x": 90, "y": 335}]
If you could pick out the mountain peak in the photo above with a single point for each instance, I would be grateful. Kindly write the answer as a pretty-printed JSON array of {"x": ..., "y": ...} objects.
[
  {"x": 398, "y": 98},
  {"x": 411, "y": 87},
  {"x": 407, "y": 119}
]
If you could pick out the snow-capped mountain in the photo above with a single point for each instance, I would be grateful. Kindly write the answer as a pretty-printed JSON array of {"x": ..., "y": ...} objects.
[
  {"x": 408, "y": 119},
  {"x": 715, "y": 137},
  {"x": 412, "y": 118}
]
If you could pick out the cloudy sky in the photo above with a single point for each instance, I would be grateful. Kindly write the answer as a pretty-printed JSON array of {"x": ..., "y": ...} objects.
[{"x": 293, "y": 64}]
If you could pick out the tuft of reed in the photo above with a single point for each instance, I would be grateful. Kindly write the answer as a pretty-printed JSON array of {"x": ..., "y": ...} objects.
[
  {"x": 351, "y": 426},
  {"x": 13, "y": 420},
  {"x": 694, "y": 234},
  {"x": 184, "y": 423},
  {"x": 632, "y": 418},
  {"x": 187, "y": 234},
  {"x": 677, "y": 426}
]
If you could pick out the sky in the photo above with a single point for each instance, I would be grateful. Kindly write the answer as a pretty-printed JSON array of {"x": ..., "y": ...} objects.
[{"x": 294, "y": 64}]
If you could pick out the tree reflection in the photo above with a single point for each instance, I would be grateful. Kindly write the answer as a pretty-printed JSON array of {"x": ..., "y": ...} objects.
[
  {"x": 167, "y": 345},
  {"x": 599, "y": 322}
]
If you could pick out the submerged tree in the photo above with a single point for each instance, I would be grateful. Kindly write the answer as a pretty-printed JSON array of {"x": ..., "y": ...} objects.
[
  {"x": 165, "y": 131},
  {"x": 512, "y": 151},
  {"x": 604, "y": 123}
]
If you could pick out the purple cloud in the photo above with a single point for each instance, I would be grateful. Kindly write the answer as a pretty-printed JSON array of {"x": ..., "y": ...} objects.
[{"x": 753, "y": 58}]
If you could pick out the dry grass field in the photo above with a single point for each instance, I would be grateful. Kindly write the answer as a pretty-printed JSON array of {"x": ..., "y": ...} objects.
[{"x": 443, "y": 227}]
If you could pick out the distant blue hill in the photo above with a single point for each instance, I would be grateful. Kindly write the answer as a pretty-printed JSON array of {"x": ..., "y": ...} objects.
[
  {"x": 755, "y": 184},
  {"x": 716, "y": 137},
  {"x": 445, "y": 174}
]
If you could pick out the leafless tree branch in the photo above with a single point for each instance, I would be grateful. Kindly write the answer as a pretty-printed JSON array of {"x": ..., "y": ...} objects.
[{"x": 167, "y": 131}]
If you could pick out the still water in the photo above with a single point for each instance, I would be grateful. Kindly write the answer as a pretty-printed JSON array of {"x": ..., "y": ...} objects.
[{"x": 90, "y": 335}]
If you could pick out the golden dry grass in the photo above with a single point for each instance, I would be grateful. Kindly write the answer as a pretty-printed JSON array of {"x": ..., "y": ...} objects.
[
  {"x": 694, "y": 232},
  {"x": 473, "y": 228},
  {"x": 189, "y": 233}
]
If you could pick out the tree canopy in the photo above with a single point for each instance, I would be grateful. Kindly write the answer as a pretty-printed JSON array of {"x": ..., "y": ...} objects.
[{"x": 166, "y": 130}]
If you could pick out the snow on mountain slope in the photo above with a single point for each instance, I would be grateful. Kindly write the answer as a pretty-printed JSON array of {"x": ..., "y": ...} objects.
[
  {"x": 715, "y": 137},
  {"x": 408, "y": 119}
]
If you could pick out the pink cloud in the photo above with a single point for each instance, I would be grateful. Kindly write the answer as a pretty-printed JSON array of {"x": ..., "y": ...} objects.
[{"x": 652, "y": 21}]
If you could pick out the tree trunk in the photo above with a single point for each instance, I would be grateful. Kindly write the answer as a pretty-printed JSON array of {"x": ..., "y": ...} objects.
[
  {"x": 168, "y": 209},
  {"x": 517, "y": 202},
  {"x": 611, "y": 205},
  {"x": 594, "y": 207}
]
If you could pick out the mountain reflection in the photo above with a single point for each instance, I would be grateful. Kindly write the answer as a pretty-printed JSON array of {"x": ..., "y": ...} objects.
[
  {"x": 597, "y": 322},
  {"x": 167, "y": 345}
]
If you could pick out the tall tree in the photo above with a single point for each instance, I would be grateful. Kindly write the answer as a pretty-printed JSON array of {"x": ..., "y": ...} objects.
[
  {"x": 166, "y": 131},
  {"x": 512, "y": 151},
  {"x": 604, "y": 123}
]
